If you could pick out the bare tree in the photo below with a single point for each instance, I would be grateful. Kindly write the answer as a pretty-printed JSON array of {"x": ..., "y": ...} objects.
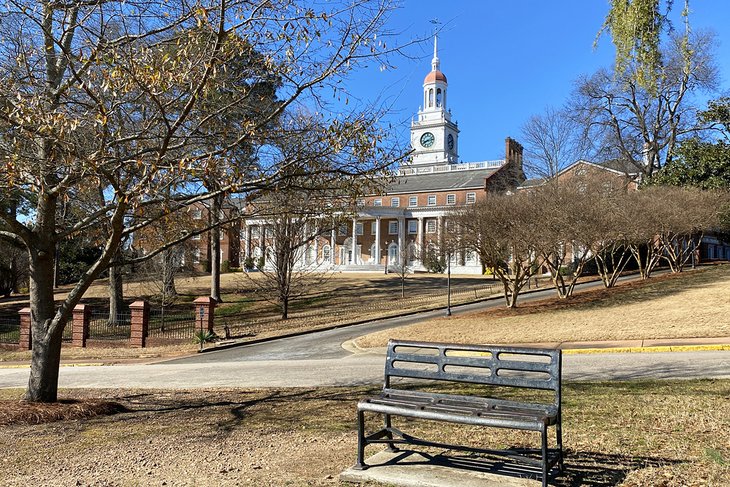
[
  {"x": 501, "y": 230},
  {"x": 642, "y": 126},
  {"x": 568, "y": 216},
  {"x": 552, "y": 142},
  {"x": 612, "y": 250},
  {"x": 686, "y": 214},
  {"x": 127, "y": 78},
  {"x": 292, "y": 270}
]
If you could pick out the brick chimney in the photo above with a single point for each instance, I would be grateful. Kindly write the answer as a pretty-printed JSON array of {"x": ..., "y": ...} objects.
[{"x": 513, "y": 157}]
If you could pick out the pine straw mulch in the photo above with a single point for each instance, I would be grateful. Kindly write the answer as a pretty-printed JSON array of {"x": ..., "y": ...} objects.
[{"x": 23, "y": 412}]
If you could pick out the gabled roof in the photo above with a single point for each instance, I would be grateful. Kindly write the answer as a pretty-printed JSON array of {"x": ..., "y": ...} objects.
[
  {"x": 441, "y": 181},
  {"x": 620, "y": 165},
  {"x": 615, "y": 166},
  {"x": 529, "y": 183}
]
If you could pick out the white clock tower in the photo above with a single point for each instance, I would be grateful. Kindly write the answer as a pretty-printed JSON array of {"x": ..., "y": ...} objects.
[{"x": 434, "y": 137}]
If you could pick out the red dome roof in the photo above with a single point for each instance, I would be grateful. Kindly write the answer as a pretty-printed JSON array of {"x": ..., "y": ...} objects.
[{"x": 435, "y": 76}]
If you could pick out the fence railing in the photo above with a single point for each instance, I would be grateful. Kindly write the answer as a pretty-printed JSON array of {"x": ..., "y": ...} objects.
[
  {"x": 9, "y": 329},
  {"x": 103, "y": 327},
  {"x": 171, "y": 323}
]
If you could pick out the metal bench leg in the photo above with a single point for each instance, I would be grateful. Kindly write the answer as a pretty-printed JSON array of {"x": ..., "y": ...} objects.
[
  {"x": 360, "y": 465},
  {"x": 544, "y": 456},
  {"x": 388, "y": 425},
  {"x": 559, "y": 431}
]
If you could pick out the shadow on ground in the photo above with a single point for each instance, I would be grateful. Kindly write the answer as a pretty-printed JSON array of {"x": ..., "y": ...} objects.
[{"x": 581, "y": 468}]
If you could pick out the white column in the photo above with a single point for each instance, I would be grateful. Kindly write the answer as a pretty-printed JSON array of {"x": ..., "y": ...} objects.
[
  {"x": 316, "y": 245},
  {"x": 440, "y": 233},
  {"x": 354, "y": 242},
  {"x": 401, "y": 238},
  {"x": 248, "y": 240},
  {"x": 333, "y": 240},
  {"x": 262, "y": 238},
  {"x": 377, "y": 240},
  {"x": 419, "y": 239}
]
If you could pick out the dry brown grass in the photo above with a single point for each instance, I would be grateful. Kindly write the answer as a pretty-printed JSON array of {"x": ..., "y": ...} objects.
[
  {"x": 108, "y": 354},
  {"x": 693, "y": 304},
  {"x": 674, "y": 433},
  {"x": 21, "y": 412}
]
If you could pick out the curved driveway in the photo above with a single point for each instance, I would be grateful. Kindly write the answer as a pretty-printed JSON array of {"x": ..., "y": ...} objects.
[{"x": 318, "y": 359}]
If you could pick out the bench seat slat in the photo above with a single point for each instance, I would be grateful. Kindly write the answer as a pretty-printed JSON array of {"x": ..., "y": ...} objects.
[{"x": 462, "y": 409}]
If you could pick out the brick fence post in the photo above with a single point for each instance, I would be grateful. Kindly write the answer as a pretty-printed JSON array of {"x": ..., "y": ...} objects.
[
  {"x": 25, "y": 342},
  {"x": 140, "y": 322},
  {"x": 204, "y": 314},
  {"x": 80, "y": 325}
]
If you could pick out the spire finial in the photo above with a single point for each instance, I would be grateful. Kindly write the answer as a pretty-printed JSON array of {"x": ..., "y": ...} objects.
[{"x": 435, "y": 62}]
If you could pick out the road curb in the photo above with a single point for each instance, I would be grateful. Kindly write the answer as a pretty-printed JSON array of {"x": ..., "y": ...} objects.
[
  {"x": 667, "y": 348},
  {"x": 353, "y": 347},
  {"x": 83, "y": 364}
]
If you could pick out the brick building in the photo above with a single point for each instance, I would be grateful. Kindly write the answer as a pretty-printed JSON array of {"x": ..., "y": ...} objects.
[{"x": 409, "y": 217}]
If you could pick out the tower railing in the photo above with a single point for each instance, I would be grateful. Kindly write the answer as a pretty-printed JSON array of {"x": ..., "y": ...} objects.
[{"x": 466, "y": 166}]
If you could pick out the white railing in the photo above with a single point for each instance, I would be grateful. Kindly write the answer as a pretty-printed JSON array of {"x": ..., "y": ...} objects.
[{"x": 467, "y": 166}]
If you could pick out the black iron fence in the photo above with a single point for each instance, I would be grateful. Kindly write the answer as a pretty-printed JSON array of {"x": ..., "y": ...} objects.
[
  {"x": 10, "y": 329},
  {"x": 103, "y": 326},
  {"x": 175, "y": 324}
]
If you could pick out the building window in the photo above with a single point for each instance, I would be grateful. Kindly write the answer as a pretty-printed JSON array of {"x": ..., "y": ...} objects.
[
  {"x": 450, "y": 199},
  {"x": 395, "y": 202},
  {"x": 197, "y": 214},
  {"x": 430, "y": 226},
  {"x": 342, "y": 230},
  {"x": 196, "y": 256},
  {"x": 378, "y": 202},
  {"x": 326, "y": 253},
  {"x": 412, "y": 227},
  {"x": 254, "y": 231},
  {"x": 432, "y": 200},
  {"x": 373, "y": 227},
  {"x": 393, "y": 227},
  {"x": 360, "y": 203},
  {"x": 471, "y": 198},
  {"x": 358, "y": 228},
  {"x": 196, "y": 237},
  {"x": 438, "y": 97},
  {"x": 413, "y": 201}
]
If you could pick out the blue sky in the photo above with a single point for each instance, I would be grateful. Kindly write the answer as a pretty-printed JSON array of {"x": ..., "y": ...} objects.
[{"x": 507, "y": 60}]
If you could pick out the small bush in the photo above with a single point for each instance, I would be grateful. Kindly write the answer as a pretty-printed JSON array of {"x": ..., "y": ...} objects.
[{"x": 248, "y": 264}]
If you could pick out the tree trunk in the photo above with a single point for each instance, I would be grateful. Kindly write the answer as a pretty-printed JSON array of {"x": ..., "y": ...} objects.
[
  {"x": 46, "y": 338},
  {"x": 116, "y": 293},
  {"x": 168, "y": 276},
  {"x": 285, "y": 308},
  {"x": 215, "y": 250}
]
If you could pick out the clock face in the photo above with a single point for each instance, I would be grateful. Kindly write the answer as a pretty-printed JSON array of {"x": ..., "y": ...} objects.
[
  {"x": 427, "y": 139},
  {"x": 450, "y": 142}
]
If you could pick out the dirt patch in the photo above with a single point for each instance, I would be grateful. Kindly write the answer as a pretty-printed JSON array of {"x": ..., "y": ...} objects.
[
  {"x": 689, "y": 305},
  {"x": 673, "y": 433}
]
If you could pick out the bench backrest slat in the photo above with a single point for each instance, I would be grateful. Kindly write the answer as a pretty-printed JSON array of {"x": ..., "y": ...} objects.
[{"x": 480, "y": 364}]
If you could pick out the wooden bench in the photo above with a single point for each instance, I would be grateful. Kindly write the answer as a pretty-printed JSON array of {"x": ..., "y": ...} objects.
[{"x": 413, "y": 363}]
